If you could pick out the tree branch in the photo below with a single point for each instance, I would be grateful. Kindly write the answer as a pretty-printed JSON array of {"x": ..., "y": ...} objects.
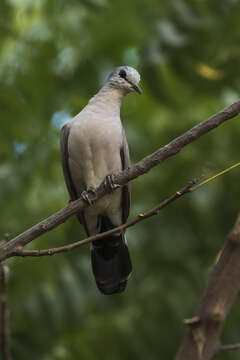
[
  {"x": 121, "y": 178},
  {"x": 202, "y": 341},
  {"x": 150, "y": 213},
  {"x": 4, "y": 326}
]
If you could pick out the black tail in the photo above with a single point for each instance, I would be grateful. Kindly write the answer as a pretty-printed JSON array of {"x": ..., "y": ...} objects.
[{"x": 111, "y": 262}]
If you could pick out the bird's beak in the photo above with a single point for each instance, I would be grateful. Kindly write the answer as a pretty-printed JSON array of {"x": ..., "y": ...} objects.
[{"x": 137, "y": 89}]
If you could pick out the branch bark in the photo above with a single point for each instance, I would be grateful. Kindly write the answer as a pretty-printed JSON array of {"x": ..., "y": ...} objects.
[
  {"x": 4, "y": 316},
  {"x": 141, "y": 217},
  {"x": 121, "y": 178},
  {"x": 202, "y": 341}
]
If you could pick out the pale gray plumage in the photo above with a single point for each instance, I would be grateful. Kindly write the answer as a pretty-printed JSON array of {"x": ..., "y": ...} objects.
[{"x": 94, "y": 145}]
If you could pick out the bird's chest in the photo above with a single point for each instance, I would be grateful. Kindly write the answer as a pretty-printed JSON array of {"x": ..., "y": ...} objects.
[
  {"x": 97, "y": 150},
  {"x": 101, "y": 139}
]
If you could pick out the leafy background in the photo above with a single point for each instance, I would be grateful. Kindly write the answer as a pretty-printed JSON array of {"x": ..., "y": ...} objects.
[{"x": 54, "y": 56}]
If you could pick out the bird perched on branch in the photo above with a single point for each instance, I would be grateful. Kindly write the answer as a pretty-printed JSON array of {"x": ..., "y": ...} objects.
[{"x": 93, "y": 147}]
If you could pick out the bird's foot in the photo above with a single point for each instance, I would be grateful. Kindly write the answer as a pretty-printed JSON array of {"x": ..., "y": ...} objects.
[
  {"x": 109, "y": 183},
  {"x": 85, "y": 195}
]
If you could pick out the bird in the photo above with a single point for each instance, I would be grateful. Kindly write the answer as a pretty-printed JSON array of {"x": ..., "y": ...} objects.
[{"x": 94, "y": 147}]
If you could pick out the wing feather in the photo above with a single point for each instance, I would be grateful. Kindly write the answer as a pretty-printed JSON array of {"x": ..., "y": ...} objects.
[
  {"x": 66, "y": 170},
  {"x": 65, "y": 165},
  {"x": 125, "y": 157}
]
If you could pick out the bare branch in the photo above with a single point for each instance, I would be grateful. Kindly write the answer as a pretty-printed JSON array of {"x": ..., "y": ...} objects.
[
  {"x": 177, "y": 144},
  {"x": 202, "y": 341},
  {"x": 4, "y": 316},
  {"x": 121, "y": 178},
  {"x": 154, "y": 211}
]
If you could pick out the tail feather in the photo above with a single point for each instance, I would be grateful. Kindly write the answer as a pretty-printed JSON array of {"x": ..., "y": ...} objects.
[{"x": 111, "y": 261}]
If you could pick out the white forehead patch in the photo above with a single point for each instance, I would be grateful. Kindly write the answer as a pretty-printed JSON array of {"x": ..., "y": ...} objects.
[{"x": 132, "y": 74}]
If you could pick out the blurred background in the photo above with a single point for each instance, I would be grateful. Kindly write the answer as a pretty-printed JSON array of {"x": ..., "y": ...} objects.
[{"x": 54, "y": 56}]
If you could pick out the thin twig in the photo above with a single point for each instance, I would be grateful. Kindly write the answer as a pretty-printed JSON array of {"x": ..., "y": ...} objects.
[
  {"x": 195, "y": 187},
  {"x": 121, "y": 178},
  {"x": 152, "y": 212},
  {"x": 4, "y": 316}
]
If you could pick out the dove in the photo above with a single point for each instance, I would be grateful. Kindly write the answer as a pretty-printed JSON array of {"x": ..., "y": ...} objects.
[{"x": 93, "y": 148}]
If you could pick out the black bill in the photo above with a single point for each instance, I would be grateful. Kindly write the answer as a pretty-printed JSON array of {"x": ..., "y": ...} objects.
[{"x": 137, "y": 89}]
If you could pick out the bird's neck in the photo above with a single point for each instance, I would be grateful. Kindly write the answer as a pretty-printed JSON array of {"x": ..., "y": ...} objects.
[{"x": 108, "y": 97}]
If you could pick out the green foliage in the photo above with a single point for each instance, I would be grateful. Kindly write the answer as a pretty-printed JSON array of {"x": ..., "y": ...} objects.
[{"x": 54, "y": 56}]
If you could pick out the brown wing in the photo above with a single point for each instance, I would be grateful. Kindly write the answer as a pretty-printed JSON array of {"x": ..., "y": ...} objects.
[
  {"x": 66, "y": 171},
  {"x": 64, "y": 153},
  {"x": 125, "y": 157}
]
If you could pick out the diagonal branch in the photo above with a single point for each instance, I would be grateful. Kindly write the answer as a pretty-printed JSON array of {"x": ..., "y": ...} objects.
[
  {"x": 202, "y": 341},
  {"x": 121, "y": 178},
  {"x": 150, "y": 213}
]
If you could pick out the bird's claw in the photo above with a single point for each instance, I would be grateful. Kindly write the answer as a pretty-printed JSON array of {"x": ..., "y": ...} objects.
[
  {"x": 85, "y": 195},
  {"x": 109, "y": 183}
]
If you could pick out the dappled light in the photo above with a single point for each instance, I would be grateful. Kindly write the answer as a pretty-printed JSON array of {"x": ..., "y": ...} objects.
[{"x": 55, "y": 55}]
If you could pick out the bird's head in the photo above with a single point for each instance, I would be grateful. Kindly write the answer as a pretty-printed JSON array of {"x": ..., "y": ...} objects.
[{"x": 125, "y": 78}]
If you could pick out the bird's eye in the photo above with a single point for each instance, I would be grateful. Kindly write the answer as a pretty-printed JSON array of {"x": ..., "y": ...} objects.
[{"x": 123, "y": 74}]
